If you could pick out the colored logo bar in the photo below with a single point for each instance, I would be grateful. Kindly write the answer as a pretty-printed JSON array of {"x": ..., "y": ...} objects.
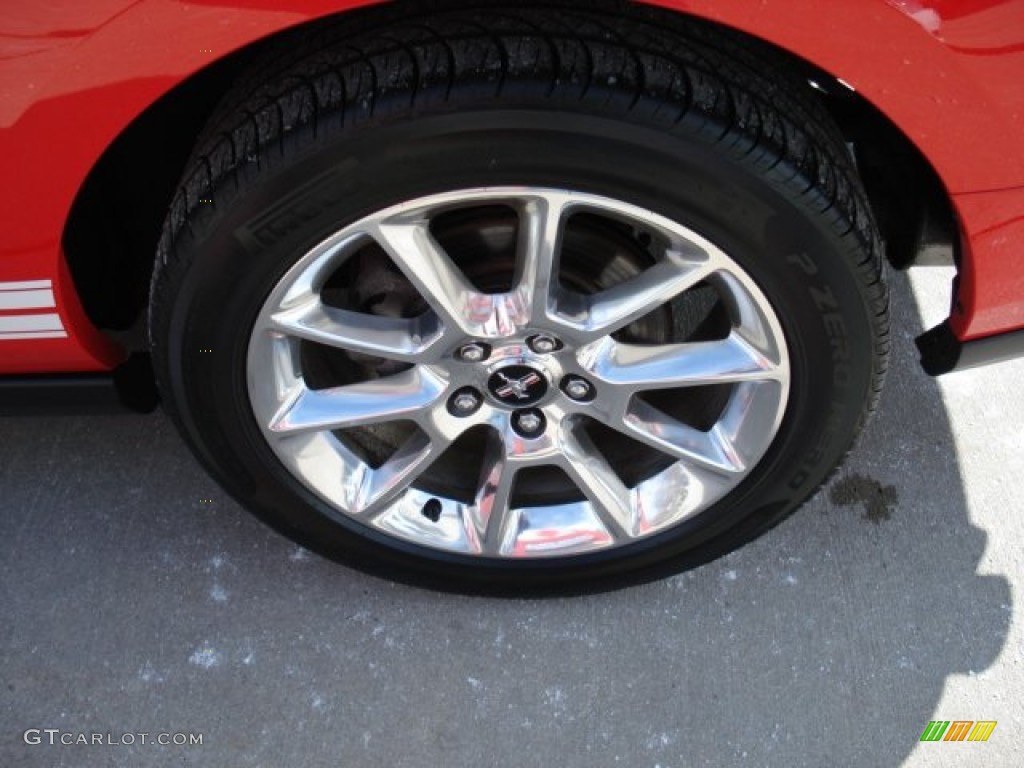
[{"x": 958, "y": 730}]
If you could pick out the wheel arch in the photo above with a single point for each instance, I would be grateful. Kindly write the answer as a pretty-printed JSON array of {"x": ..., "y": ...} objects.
[{"x": 111, "y": 263}]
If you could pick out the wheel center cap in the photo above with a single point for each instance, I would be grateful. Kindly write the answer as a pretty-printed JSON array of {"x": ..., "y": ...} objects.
[{"x": 517, "y": 386}]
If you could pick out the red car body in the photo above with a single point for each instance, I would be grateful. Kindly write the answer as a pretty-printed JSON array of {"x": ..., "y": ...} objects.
[{"x": 74, "y": 76}]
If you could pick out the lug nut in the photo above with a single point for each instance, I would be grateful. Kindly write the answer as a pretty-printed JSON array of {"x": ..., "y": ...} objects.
[
  {"x": 577, "y": 388},
  {"x": 528, "y": 423},
  {"x": 474, "y": 353},
  {"x": 464, "y": 402},
  {"x": 543, "y": 344}
]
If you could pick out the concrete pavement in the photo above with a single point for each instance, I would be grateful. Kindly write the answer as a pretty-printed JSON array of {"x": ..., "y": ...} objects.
[{"x": 137, "y": 598}]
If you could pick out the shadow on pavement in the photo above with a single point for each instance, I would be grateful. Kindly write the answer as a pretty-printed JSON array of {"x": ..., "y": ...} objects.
[{"x": 138, "y": 598}]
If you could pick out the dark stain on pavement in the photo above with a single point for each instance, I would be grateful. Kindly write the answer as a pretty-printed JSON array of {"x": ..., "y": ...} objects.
[{"x": 878, "y": 500}]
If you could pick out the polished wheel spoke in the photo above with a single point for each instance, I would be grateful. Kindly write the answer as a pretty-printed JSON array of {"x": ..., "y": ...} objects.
[
  {"x": 393, "y": 338},
  {"x": 667, "y": 366},
  {"x": 710, "y": 449},
  {"x": 414, "y": 250},
  {"x": 541, "y": 229},
  {"x": 490, "y": 513},
  {"x": 620, "y": 305},
  {"x": 401, "y": 396},
  {"x": 380, "y": 487},
  {"x": 594, "y": 476}
]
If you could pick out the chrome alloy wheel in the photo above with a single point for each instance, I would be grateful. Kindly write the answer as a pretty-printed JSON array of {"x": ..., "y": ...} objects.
[{"x": 543, "y": 374}]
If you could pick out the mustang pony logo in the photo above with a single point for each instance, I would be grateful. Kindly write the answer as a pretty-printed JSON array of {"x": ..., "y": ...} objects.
[{"x": 520, "y": 388}]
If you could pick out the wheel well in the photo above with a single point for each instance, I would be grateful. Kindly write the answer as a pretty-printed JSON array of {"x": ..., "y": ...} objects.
[
  {"x": 115, "y": 222},
  {"x": 911, "y": 205}
]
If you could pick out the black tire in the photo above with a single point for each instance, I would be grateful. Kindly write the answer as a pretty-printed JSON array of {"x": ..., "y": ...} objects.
[{"x": 638, "y": 105}]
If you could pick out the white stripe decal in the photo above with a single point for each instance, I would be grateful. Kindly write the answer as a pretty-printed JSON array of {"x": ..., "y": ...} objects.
[
  {"x": 33, "y": 299},
  {"x": 30, "y": 323},
  {"x": 29, "y": 294},
  {"x": 25, "y": 285},
  {"x": 34, "y": 335}
]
